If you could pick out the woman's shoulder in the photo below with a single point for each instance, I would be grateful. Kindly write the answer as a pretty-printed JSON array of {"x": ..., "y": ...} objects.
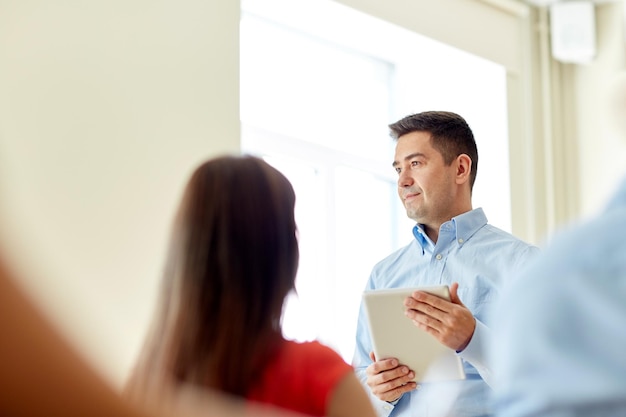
[
  {"x": 310, "y": 350},
  {"x": 301, "y": 377}
]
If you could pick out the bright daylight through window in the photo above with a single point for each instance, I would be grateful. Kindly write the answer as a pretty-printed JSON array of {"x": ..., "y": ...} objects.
[{"x": 315, "y": 103}]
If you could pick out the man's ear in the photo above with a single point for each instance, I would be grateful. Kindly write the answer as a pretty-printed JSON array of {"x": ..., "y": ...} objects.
[{"x": 463, "y": 168}]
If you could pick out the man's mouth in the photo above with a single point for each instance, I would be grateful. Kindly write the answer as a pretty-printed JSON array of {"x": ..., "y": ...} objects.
[{"x": 410, "y": 196}]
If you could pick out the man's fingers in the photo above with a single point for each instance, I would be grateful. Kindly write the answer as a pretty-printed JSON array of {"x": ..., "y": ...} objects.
[
  {"x": 424, "y": 314},
  {"x": 421, "y": 298},
  {"x": 382, "y": 366},
  {"x": 395, "y": 393},
  {"x": 389, "y": 385}
]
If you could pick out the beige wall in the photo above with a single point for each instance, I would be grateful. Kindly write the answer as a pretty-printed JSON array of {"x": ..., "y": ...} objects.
[
  {"x": 105, "y": 107},
  {"x": 584, "y": 158},
  {"x": 601, "y": 154}
]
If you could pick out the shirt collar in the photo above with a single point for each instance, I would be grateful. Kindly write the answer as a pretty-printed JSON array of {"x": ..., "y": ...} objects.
[
  {"x": 421, "y": 237},
  {"x": 464, "y": 226}
]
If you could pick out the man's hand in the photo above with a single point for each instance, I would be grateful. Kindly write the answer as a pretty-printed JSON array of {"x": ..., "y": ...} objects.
[
  {"x": 450, "y": 322},
  {"x": 388, "y": 380}
]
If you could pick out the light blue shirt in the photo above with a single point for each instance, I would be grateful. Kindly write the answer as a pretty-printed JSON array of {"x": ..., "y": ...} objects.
[
  {"x": 480, "y": 258},
  {"x": 561, "y": 346}
]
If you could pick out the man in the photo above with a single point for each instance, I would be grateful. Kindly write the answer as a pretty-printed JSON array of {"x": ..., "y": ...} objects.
[
  {"x": 561, "y": 345},
  {"x": 436, "y": 161}
]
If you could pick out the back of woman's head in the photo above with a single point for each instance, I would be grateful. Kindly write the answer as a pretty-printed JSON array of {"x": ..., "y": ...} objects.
[
  {"x": 239, "y": 236},
  {"x": 232, "y": 261}
]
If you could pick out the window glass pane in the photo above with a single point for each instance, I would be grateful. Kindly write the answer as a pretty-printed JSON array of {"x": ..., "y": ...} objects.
[
  {"x": 364, "y": 207},
  {"x": 299, "y": 86},
  {"x": 302, "y": 317}
]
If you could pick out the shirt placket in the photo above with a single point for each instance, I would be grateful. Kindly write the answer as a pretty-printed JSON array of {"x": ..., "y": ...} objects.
[{"x": 447, "y": 235}]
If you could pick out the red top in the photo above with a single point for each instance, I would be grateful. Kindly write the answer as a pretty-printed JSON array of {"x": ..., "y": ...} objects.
[{"x": 301, "y": 378}]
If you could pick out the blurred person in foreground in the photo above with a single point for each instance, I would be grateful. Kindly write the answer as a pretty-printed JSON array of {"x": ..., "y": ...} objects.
[
  {"x": 560, "y": 349},
  {"x": 232, "y": 261},
  {"x": 43, "y": 375},
  {"x": 436, "y": 159}
]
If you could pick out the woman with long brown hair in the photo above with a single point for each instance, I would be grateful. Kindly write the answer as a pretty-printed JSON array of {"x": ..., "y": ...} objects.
[
  {"x": 232, "y": 261},
  {"x": 43, "y": 374}
]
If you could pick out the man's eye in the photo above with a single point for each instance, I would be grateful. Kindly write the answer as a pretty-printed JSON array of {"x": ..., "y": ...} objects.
[{"x": 414, "y": 163}]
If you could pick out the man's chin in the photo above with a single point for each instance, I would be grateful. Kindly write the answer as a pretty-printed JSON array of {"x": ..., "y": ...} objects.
[{"x": 413, "y": 215}]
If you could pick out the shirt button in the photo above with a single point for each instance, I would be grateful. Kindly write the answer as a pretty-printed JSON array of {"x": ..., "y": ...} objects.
[
  {"x": 461, "y": 240},
  {"x": 438, "y": 257}
]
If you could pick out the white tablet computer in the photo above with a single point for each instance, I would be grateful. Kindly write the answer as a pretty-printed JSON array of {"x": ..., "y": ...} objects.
[{"x": 395, "y": 336}]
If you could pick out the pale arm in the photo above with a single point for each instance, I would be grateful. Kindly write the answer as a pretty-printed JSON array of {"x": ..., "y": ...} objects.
[{"x": 349, "y": 399}]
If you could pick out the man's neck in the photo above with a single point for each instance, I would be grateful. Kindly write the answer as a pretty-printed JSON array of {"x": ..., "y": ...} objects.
[{"x": 432, "y": 232}]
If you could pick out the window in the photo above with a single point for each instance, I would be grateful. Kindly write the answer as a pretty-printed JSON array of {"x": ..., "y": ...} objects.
[{"x": 315, "y": 103}]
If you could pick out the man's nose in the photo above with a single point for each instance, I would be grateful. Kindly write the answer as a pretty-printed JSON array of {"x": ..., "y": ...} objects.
[{"x": 405, "y": 180}]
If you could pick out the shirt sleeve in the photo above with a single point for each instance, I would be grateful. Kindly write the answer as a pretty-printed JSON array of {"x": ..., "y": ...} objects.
[{"x": 475, "y": 351}]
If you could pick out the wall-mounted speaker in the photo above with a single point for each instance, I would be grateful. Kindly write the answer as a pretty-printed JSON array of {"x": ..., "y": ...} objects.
[{"x": 573, "y": 31}]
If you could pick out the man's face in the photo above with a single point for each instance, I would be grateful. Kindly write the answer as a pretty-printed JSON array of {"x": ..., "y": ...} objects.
[{"x": 426, "y": 186}]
